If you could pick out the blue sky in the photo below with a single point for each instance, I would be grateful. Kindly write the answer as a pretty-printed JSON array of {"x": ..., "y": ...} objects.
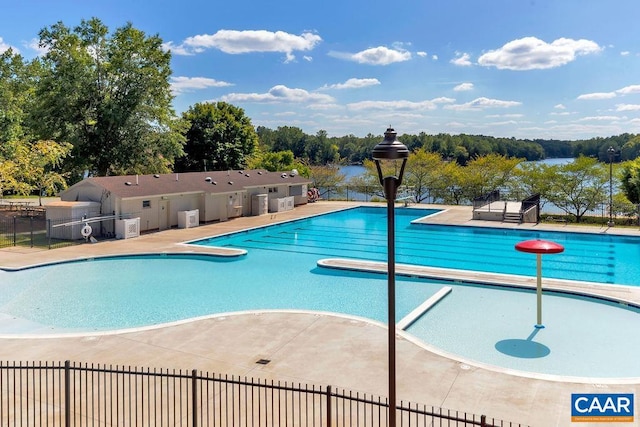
[{"x": 553, "y": 69}]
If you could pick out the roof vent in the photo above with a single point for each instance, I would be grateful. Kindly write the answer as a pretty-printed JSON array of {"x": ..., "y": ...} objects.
[
  {"x": 246, "y": 174},
  {"x": 294, "y": 172},
  {"x": 155, "y": 175},
  {"x": 208, "y": 179},
  {"x": 230, "y": 182},
  {"x": 127, "y": 183},
  {"x": 214, "y": 182},
  {"x": 240, "y": 172},
  {"x": 284, "y": 175},
  {"x": 259, "y": 172}
]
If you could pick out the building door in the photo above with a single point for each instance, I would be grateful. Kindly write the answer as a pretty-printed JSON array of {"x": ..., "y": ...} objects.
[{"x": 163, "y": 215}]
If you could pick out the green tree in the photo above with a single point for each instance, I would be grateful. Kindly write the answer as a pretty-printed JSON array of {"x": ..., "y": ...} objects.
[
  {"x": 579, "y": 187},
  {"x": 529, "y": 179},
  {"x": 630, "y": 180},
  {"x": 326, "y": 177},
  {"x": 220, "y": 137},
  {"x": 487, "y": 173},
  {"x": 450, "y": 188},
  {"x": 278, "y": 162},
  {"x": 109, "y": 96},
  {"x": 423, "y": 174},
  {"x": 37, "y": 167}
]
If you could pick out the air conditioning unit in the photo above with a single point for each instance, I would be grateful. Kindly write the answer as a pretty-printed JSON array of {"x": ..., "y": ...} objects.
[
  {"x": 188, "y": 219},
  {"x": 127, "y": 228}
]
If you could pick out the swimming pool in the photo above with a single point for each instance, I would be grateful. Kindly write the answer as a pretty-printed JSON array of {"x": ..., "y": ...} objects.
[
  {"x": 361, "y": 233},
  {"x": 582, "y": 337}
]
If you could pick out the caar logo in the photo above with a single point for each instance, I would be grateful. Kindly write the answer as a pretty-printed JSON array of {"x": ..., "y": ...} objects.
[{"x": 602, "y": 407}]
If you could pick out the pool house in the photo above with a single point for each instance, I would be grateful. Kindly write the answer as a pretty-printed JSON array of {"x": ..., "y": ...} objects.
[{"x": 162, "y": 201}]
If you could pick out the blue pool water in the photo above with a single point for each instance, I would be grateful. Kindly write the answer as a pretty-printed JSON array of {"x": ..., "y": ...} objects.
[
  {"x": 582, "y": 337},
  {"x": 361, "y": 233}
]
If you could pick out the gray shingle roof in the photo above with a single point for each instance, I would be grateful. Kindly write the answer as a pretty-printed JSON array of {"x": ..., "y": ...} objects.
[{"x": 129, "y": 186}]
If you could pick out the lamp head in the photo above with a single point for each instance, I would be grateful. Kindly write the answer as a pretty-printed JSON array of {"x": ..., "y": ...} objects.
[{"x": 390, "y": 148}]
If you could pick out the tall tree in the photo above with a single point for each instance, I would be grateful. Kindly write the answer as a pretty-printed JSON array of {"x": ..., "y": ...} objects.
[
  {"x": 424, "y": 171},
  {"x": 109, "y": 96},
  {"x": 37, "y": 167},
  {"x": 487, "y": 173},
  {"x": 630, "y": 179},
  {"x": 220, "y": 137},
  {"x": 578, "y": 187}
]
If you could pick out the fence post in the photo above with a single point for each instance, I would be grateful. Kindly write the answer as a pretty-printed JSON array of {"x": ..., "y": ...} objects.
[
  {"x": 483, "y": 421},
  {"x": 194, "y": 395},
  {"x": 49, "y": 232},
  {"x": 328, "y": 406},
  {"x": 67, "y": 393},
  {"x": 14, "y": 231},
  {"x": 31, "y": 228}
]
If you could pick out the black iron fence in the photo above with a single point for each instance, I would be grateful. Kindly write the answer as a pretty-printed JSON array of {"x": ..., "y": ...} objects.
[{"x": 70, "y": 394}]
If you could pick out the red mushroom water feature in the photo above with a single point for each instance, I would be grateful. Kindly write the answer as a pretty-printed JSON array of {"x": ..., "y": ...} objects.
[{"x": 539, "y": 247}]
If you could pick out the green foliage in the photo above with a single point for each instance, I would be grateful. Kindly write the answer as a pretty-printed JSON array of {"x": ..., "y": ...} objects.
[
  {"x": 326, "y": 177},
  {"x": 278, "y": 162},
  {"x": 109, "y": 96},
  {"x": 630, "y": 180},
  {"x": 578, "y": 187},
  {"x": 220, "y": 137},
  {"x": 487, "y": 173}
]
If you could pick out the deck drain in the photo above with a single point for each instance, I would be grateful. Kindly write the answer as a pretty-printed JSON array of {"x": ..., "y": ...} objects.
[{"x": 263, "y": 361}]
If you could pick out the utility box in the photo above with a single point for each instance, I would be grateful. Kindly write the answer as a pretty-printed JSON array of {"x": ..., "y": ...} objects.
[
  {"x": 127, "y": 228},
  {"x": 281, "y": 204},
  {"x": 188, "y": 219},
  {"x": 259, "y": 204}
]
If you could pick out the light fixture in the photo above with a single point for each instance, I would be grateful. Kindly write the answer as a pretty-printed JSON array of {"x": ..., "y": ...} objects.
[{"x": 390, "y": 150}]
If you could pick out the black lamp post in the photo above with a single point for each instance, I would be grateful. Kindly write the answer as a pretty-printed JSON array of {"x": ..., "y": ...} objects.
[
  {"x": 390, "y": 149},
  {"x": 611, "y": 151}
]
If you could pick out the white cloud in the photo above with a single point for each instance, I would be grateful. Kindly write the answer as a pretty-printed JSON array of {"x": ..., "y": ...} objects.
[
  {"x": 178, "y": 50},
  {"x": 422, "y": 54},
  {"x": 380, "y": 55},
  {"x": 629, "y": 90},
  {"x": 531, "y": 53},
  {"x": 352, "y": 84},
  {"x": 279, "y": 93},
  {"x": 443, "y": 100},
  {"x": 4, "y": 47},
  {"x": 628, "y": 107},
  {"x": 180, "y": 84},
  {"x": 597, "y": 96},
  {"x": 307, "y": 58},
  {"x": 483, "y": 103},
  {"x": 559, "y": 107},
  {"x": 237, "y": 42},
  {"x": 434, "y": 57},
  {"x": 392, "y": 105},
  {"x": 34, "y": 44},
  {"x": 463, "y": 87},
  {"x": 625, "y": 53},
  {"x": 462, "y": 59},
  {"x": 599, "y": 118}
]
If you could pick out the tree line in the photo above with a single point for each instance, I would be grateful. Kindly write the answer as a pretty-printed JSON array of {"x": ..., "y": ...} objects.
[
  {"x": 576, "y": 188},
  {"x": 99, "y": 103}
]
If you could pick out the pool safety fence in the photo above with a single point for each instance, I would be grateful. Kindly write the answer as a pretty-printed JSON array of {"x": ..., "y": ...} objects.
[{"x": 74, "y": 394}]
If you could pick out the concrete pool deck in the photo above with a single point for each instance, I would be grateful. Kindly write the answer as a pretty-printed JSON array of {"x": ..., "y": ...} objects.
[{"x": 314, "y": 348}]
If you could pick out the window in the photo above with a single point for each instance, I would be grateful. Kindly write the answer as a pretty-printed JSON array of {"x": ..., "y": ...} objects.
[{"x": 146, "y": 203}]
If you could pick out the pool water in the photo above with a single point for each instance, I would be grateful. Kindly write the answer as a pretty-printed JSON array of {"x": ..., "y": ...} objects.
[
  {"x": 582, "y": 338},
  {"x": 361, "y": 233}
]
